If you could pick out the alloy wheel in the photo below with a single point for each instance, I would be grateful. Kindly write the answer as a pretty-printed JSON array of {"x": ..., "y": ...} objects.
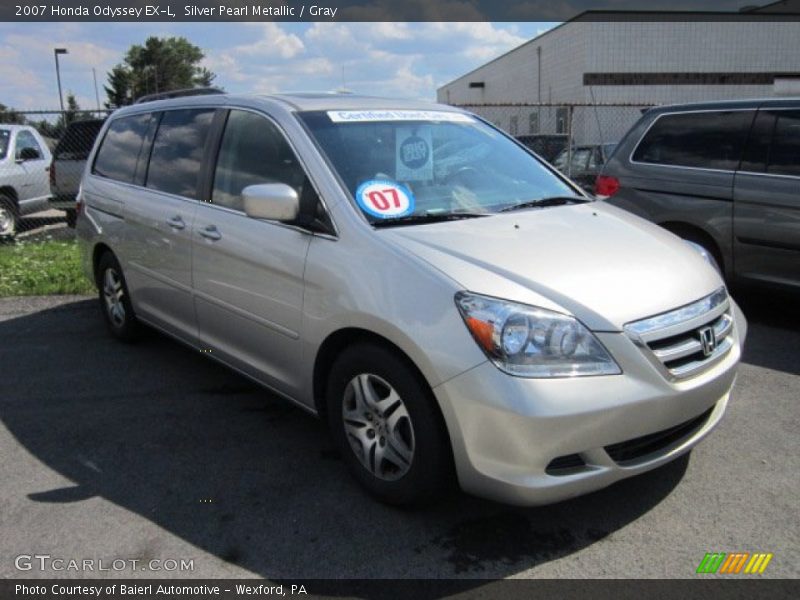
[
  {"x": 378, "y": 427},
  {"x": 113, "y": 293}
]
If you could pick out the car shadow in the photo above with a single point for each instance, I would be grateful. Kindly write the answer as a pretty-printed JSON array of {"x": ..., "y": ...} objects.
[
  {"x": 774, "y": 332},
  {"x": 33, "y": 222},
  {"x": 213, "y": 459}
]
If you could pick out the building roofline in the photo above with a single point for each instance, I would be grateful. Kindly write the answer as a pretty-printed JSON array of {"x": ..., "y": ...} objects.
[{"x": 597, "y": 16}]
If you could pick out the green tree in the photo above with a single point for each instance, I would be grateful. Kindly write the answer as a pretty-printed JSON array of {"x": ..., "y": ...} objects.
[
  {"x": 10, "y": 116},
  {"x": 119, "y": 86},
  {"x": 159, "y": 65},
  {"x": 72, "y": 109}
]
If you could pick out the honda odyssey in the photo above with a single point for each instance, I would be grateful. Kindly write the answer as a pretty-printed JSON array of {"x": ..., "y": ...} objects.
[{"x": 455, "y": 308}]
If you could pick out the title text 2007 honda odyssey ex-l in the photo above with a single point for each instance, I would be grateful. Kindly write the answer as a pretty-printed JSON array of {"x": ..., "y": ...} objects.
[{"x": 446, "y": 300}]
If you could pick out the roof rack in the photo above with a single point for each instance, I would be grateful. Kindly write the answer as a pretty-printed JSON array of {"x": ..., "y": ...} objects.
[{"x": 179, "y": 93}]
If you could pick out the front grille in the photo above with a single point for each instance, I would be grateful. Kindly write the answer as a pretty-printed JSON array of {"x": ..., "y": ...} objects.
[
  {"x": 631, "y": 450},
  {"x": 564, "y": 465},
  {"x": 688, "y": 340}
]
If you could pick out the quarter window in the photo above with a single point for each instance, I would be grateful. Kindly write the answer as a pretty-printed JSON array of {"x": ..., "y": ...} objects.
[
  {"x": 708, "y": 140},
  {"x": 784, "y": 156},
  {"x": 178, "y": 151},
  {"x": 119, "y": 151},
  {"x": 252, "y": 152}
]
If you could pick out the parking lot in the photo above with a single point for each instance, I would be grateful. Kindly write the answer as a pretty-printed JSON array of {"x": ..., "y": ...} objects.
[{"x": 151, "y": 451}]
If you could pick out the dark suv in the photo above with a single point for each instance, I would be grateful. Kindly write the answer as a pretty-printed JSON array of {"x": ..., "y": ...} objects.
[{"x": 725, "y": 175}]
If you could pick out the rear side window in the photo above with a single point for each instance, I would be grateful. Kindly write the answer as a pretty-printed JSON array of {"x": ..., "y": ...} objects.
[
  {"x": 178, "y": 151},
  {"x": 119, "y": 151},
  {"x": 708, "y": 140},
  {"x": 784, "y": 155}
]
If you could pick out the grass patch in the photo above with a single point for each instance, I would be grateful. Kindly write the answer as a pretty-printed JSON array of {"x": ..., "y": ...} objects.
[{"x": 42, "y": 268}]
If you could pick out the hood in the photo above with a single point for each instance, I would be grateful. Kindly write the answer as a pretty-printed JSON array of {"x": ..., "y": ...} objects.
[{"x": 605, "y": 266}]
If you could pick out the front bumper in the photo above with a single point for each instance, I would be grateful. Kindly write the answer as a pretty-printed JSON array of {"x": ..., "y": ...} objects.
[{"x": 506, "y": 430}]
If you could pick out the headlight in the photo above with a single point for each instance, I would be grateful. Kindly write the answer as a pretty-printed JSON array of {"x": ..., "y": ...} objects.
[{"x": 533, "y": 342}]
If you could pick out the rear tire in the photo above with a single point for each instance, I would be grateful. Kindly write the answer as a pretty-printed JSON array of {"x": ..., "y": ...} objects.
[
  {"x": 9, "y": 219},
  {"x": 71, "y": 217},
  {"x": 385, "y": 423},
  {"x": 115, "y": 301}
]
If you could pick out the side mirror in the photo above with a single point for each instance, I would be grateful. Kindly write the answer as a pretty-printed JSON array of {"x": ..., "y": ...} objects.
[
  {"x": 29, "y": 154},
  {"x": 272, "y": 201}
]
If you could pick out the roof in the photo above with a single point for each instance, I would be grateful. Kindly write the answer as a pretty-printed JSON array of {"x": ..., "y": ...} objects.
[
  {"x": 729, "y": 104},
  {"x": 756, "y": 13},
  {"x": 15, "y": 127},
  {"x": 299, "y": 101}
]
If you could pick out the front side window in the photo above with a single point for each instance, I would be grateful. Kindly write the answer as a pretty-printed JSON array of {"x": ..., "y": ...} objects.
[
  {"x": 253, "y": 152},
  {"x": 25, "y": 140},
  {"x": 178, "y": 151},
  {"x": 428, "y": 163},
  {"x": 119, "y": 151},
  {"x": 707, "y": 140}
]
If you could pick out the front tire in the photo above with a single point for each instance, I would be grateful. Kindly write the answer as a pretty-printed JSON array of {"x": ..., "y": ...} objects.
[
  {"x": 115, "y": 301},
  {"x": 385, "y": 423}
]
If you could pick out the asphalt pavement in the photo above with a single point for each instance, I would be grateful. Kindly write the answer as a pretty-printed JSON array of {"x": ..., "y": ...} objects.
[{"x": 151, "y": 451}]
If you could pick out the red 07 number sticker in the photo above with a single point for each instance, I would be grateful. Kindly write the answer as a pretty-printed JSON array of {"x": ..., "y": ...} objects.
[{"x": 385, "y": 199}]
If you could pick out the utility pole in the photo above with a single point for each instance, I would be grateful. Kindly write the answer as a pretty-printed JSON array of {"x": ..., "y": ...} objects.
[
  {"x": 56, "y": 52},
  {"x": 96, "y": 93}
]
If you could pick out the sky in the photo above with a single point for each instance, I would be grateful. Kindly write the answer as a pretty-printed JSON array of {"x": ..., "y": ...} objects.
[{"x": 383, "y": 59}]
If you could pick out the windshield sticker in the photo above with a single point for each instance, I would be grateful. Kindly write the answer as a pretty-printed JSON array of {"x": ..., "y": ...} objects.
[
  {"x": 414, "y": 154},
  {"x": 367, "y": 116},
  {"x": 385, "y": 199}
]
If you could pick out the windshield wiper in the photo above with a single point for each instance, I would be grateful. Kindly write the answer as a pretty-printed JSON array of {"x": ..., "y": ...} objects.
[
  {"x": 428, "y": 218},
  {"x": 546, "y": 202}
]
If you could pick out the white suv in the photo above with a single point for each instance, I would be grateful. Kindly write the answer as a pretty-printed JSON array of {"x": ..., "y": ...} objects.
[{"x": 24, "y": 175}]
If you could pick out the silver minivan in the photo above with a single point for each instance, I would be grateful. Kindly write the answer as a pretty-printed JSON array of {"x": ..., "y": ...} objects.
[{"x": 453, "y": 306}]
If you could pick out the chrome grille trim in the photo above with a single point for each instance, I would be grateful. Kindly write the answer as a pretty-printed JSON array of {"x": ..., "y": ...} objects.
[{"x": 672, "y": 340}]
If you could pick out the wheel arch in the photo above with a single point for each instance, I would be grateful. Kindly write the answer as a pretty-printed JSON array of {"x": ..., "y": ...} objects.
[
  {"x": 97, "y": 252},
  {"x": 335, "y": 343},
  {"x": 7, "y": 191},
  {"x": 697, "y": 234}
]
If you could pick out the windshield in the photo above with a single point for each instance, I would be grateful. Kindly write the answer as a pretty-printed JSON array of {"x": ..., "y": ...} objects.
[
  {"x": 5, "y": 137},
  {"x": 402, "y": 163}
]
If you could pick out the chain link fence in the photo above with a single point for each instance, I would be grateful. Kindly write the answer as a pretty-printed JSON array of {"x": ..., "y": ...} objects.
[{"x": 42, "y": 155}]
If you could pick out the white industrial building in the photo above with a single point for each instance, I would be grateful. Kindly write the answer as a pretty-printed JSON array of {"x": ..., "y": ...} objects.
[{"x": 592, "y": 60}]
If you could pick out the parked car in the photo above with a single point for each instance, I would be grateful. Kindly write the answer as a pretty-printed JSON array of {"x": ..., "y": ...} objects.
[
  {"x": 585, "y": 163},
  {"x": 547, "y": 146},
  {"x": 69, "y": 160},
  {"x": 24, "y": 164},
  {"x": 724, "y": 175},
  {"x": 447, "y": 301}
]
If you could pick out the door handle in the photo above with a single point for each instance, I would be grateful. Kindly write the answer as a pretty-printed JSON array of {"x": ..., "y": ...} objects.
[
  {"x": 176, "y": 222},
  {"x": 210, "y": 233}
]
